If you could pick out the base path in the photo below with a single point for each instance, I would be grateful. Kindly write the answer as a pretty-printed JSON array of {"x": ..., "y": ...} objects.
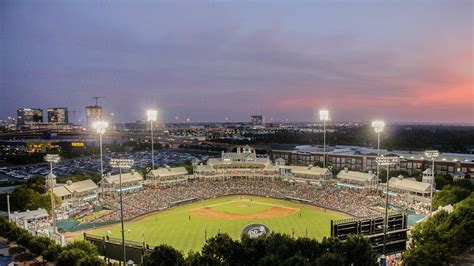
[{"x": 273, "y": 212}]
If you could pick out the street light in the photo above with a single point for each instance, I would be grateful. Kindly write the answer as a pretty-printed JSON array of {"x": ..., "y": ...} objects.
[
  {"x": 121, "y": 164},
  {"x": 324, "y": 116},
  {"x": 100, "y": 127},
  {"x": 152, "y": 115},
  {"x": 433, "y": 154},
  {"x": 52, "y": 158},
  {"x": 386, "y": 161},
  {"x": 378, "y": 126}
]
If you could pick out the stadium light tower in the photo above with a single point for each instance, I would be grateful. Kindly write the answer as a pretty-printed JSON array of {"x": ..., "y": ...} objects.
[
  {"x": 386, "y": 161},
  {"x": 122, "y": 164},
  {"x": 433, "y": 154},
  {"x": 152, "y": 116},
  {"x": 378, "y": 126},
  {"x": 324, "y": 116},
  {"x": 100, "y": 127},
  {"x": 52, "y": 158}
]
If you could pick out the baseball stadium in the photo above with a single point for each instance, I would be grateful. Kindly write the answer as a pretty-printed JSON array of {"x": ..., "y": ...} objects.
[
  {"x": 224, "y": 195},
  {"x": 187, "y": 227}
]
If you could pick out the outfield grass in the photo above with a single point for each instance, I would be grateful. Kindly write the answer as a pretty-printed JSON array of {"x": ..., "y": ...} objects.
[{"x": 185, "y": 231}]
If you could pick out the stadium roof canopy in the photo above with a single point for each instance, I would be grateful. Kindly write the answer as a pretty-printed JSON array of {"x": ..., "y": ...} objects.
[
  {"x": 126, "y": 178},
  {"x": 29, "y": 215},
  {"x": 356, "y": 176},
  {"x": 168, "y": 171},
  {"x": 309, "y": 170},
  {"x": 409, "y": 185}
]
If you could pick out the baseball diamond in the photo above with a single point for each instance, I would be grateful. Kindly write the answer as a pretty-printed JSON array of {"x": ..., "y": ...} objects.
[{"x": 186, "y": 227}]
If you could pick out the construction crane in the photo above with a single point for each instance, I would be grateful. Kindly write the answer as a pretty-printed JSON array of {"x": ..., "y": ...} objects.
[{"x": 97, "y": 98}]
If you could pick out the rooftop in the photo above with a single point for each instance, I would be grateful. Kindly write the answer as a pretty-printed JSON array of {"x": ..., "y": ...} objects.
[
  {"x": 126, "y": 177},
  {"x": 409, "y": 184},
  {"x": 357, "y": 176},
  {"x": 168, "y": 171}
]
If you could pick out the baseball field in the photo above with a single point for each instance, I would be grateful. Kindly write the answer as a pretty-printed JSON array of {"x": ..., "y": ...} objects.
[{"x": 186, "y": 227}]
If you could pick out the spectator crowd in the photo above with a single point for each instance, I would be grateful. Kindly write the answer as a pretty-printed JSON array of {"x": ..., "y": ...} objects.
[{"x": 148, "y": 200}]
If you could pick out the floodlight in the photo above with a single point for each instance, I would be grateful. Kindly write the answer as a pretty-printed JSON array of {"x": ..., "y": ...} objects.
[
  {"x": 324, "y": 115},
  {"x": 152, "y": 115},
  {"x": 121, "y": 163},
  {"x": 386, "y": 160},
  {"x": 378, "y": 126},
  {"x": 100, "y": 126},
  {"x": 52, "y": 158},
  {"x": 433, "y": 154}
]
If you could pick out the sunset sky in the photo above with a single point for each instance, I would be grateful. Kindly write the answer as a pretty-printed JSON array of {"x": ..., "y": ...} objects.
[{"x": 207, "y": 60}]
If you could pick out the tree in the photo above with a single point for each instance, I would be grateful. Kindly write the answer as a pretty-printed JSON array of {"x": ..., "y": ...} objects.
[
  {"x": 443, "y": 236},
  {"x": 442, "y": 181},
  {"x": 449, "y": 195},
  {"x": 330, "y": 259},
  {"x": 308, "y": 248},
  {"x": 358, "y": 251},
  {"x": 223, "y": 249},
  {"x": 79, "y": 253},
  {"x": 36, "y": 183},
  {"x": 163, "y": 255}
]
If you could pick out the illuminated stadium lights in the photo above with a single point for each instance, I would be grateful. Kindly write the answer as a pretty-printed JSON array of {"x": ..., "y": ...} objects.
[
  {"x": 100, "y": 127},
  {"x": 121, "y": 164},
  {"x": 378, "y": 125},
  {"x": 433, "y": 154},
  {"x": 386, "y": 161},
  {"x": 152, "y": 116},
  {"x": 324, "y": 116},
  {"x": 52, "y": 158}
]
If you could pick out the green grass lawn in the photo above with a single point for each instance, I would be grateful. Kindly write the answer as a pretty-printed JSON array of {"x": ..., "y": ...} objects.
[{"x": 174, "y": 227}]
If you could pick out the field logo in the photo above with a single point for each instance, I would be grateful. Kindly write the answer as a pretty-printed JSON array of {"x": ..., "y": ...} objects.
[{"x": 255, "y": 230}]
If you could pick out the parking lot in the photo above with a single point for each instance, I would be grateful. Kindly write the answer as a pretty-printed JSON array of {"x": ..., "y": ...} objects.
[{"x": 92, "y": 164}]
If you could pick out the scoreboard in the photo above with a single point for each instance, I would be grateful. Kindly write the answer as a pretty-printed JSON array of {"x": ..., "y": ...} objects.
[{"x": 373, "y": 228}]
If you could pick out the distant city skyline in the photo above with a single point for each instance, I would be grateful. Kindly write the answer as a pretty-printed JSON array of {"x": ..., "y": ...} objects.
[{"x": 401, "y": 61}]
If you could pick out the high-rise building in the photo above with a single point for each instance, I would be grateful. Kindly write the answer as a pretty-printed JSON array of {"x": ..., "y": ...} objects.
[
  {"x": 58, "y": 115},
  {"x": 93, "y": 114},
  {"x": 256, "y": 120},
  {"x": 29, "y": 116}
]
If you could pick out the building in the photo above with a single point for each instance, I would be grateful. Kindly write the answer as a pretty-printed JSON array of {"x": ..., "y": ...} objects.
[
  {"x": 131, "y": 182},
  {"x": 58, "y": 115},
  {"x": 256, "y": 120},
  {"x": 357, "y": 180},
  {"x": 244, "y": 163},
  {"x": 167, "y": 176},
  {"x": 36, "y": 222},
  {"x": 241, "y": 164},
  {"x": 93, "y": 114},
  {"x": 409, "y": 189},
  {"x": 308, "y": 174},
  {"x": 74, "y": 194},
  {"x": 363, "y": 159},
  {"x": 26, "y": 116}
]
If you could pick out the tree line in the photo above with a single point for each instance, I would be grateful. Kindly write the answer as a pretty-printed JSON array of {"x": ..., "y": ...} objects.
[
  {"x": 443, "y": 238},
  {"x": 273, "y": 249}
]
